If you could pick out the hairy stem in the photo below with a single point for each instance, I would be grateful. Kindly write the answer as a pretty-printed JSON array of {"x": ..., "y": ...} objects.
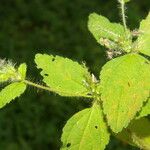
[
  {"x": 123, "y": 14},
  {"x": 38, "y": 86},
  {"x": 45, "y": 87}
]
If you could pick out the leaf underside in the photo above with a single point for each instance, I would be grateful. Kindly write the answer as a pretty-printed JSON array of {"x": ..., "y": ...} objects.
[
  {"x": 145, "y": 111},
  {"x": 63, "y": 75},
  {"x": 86, "y": 130},
  {"x": 11, "y": 92},
  {"x": 137, "y": 134},
  {"x": 143, "y": 41},
  {"x": 125, "y": 83}
]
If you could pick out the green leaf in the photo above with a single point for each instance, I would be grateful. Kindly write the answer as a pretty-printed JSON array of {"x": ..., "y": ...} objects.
[
  {"x": 137, "y": 134},
  {"x": 101, "y": 27},
  {"x": 125, "y": 136},
  {"x": 62, "y": 75},
  {"x": 22, "y": 69},
  {"x": 86, "y": 130},
  {"x": 143, "y": 41},
  {"x": 125, "y": 84},
  {"x": 111, "y": 35},
  {"x": 145, "y": 111},
  {"x": 4, "y": 77},
  {"x": 10, "y": 92}
]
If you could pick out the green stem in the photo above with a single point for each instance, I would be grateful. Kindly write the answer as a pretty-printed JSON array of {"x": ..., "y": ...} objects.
[
  {"x": 45, "y": 87},
  {"x": 123, "y": 15},
  {"x": 38, "y": 86}
]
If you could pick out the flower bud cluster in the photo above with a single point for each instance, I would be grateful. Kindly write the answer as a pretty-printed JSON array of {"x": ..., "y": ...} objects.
[{"x": 8, "y": 72}]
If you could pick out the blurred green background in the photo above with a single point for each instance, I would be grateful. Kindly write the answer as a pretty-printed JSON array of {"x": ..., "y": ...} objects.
[{"x": 35, "y": 120}]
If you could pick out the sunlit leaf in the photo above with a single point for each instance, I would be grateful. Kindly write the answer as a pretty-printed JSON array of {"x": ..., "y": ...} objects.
[
  {"x": 22, "y": 69},
  {"x": 125, "y": 84},
  {"x": 111, "y": 35},
  {"x": 143, "y": 42},
  {"x": 101, "y": 27},
  {"x": 11, "y": 92},
  {"x": 62, "y": 75},
  {"x": 86, "y": 130}
]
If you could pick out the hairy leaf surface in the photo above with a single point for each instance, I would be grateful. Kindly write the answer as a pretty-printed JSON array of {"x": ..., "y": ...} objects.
[
  {"x": 144, "y": 39},
  {"x": 86, "y": 130},
  {"x": 101, "y": 27},
  {"x": 111, "y": 35},
  {"x": 10, "y": 92},
  {"x": 125, "y": 84},
  {"x": 63, "y": 75},
  {"x": 137, "y": 134}
]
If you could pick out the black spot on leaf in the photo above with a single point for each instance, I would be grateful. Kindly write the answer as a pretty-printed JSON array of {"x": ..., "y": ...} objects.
[
  {"x": 96, "y": 127},
  {"x": 68, "y": 144},
  {"x": 46, "y": 74},
  {"x": 53, "y": 59}
]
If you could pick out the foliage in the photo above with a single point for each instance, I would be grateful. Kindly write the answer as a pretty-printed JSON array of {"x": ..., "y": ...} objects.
[
  {"x": 64, "y": 76},
  {"x": 124, "y": 80},
  {"x": 145, "y": 110},
  {"x": 111, "y": 35},
  {"x": 90, "y": 83},
  {"x": 144, "y": 38},
  {"x": 10, "y": 92},
  {"x": 137, "y": 133},
  {"x": 82, "y": 131}
]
